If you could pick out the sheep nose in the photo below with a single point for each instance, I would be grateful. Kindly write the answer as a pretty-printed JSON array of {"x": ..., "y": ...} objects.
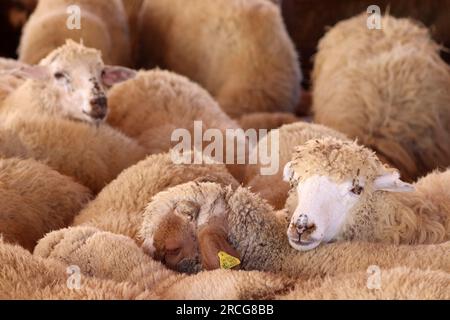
[
  {"x": 99, "y": 107},
  {"x": 302, "y": 228}
]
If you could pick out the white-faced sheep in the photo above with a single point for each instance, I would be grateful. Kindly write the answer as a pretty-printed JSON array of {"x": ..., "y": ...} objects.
[
  {"x": 155, "y": 105},
  {"x": 343, "y": 192},
  {"x": 188, "y": 225},
  {"x": 280, "y": 144},
  {"x": 34, "y": 200},
  {"x": 70, "y": 85},
  {"x": 70, "y": 82},
  {"x": 389, "y": 88},
  {"x": 238, "y": 50},
  {"x": 100, "y": 24},
  {"x": 118, "y": 208}
]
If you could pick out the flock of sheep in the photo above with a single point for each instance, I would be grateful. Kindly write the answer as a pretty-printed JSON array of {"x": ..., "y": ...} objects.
[{"x": 87, "y": 178}]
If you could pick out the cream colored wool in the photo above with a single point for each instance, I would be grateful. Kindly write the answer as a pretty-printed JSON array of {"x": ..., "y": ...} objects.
[
  {"x": 103, "y": 26},
  {"x": 11, "y": 146},
  {"x": 107, "y": 257},
  {"x": 34, "y": 200},
  {"x": 272, "y": 187},
  {"x": 351, "y": 40},
  {"x": 153, "y": 105},
  {"x": 421, "y": 216},
  {"x": 266, "y": 120},
  {"x": 93, "y": 155},
  {"x": 24, "y": 276},
  {"x": 397, "y": 283},
  {"x": 390, "y": 89},
  {"x": 118, "y": 208},
  {"x": 104, "y": 258},
  {"x": 259, "y": 236},
  {"x": 239, "y": 50}
]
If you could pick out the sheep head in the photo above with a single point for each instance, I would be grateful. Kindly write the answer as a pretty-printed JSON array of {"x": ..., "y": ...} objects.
[
  {"x": 72, "y": 82},
  {"x": 335, "y": 183},
  {"x": 186, "y": 227}
]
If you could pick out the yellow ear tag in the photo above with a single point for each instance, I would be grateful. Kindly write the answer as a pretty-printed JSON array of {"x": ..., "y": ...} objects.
[{"x": 227, "y": 261}]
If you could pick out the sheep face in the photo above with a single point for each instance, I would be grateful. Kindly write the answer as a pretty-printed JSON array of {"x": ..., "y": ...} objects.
[
  {"x": 72, "y": 82},
  {"x": 186, "y": 228},
  {"x": 332, "y": 206}
]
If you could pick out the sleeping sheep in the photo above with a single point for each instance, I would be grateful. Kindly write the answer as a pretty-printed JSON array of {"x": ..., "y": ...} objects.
[
  {"x": 104, "y": 256},
  {"x": 119, "y": 206},
  {"x": 389, "y": 88},
  {"x": 35, "y": 200},
  {"x": 271, "y": 186},
  {"x": 238, "y": 50},
  {"x": 341, "y": 191},
  {"x": 102, "y": 25},
  {"x": 187, "y": 226}
]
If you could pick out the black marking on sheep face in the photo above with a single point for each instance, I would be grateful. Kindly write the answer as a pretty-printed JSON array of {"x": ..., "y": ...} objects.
[{"x": 99, "y": 102}]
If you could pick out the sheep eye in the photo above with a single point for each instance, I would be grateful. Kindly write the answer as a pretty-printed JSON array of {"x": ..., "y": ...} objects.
[
  {"x": 188, "y": 208},
  {"x": 357, "y": 190},
  {"x": 60, "y": 75}
]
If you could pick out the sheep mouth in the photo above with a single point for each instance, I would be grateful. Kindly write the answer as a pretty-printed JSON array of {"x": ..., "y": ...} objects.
[{"x": 303, "y": 245}]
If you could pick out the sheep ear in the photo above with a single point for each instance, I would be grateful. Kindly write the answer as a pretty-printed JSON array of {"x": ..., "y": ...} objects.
[
  {"x": 288, "y": 172},
  {"x": 112, "y": 75},
  {"x": 391, "y": 182},
  {"x": 35, "y": 72},
  {"x": 213, "y": 240}
]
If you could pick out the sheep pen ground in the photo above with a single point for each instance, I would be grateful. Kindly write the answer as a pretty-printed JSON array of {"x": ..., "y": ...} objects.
[{"x": 224, "y": 149}]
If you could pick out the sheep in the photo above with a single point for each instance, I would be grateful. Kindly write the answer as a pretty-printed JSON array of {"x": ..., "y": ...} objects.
[
  {"x": 118, "y": 207},
  {"x": 102, "y": 25},
  {"x": 342, "y": 191},
  {"x": 187, "y": 225},
  {"x": 389, "y": 88},
  {"x": 126, "y": 263},
  {"x": 35, "y": 199},
  {"x": 272, "y": 187},
  {"x": 162, "y": 102},
  {"x": 238, "y": 50},
  {"x": 93, "y": 155},
  {"x": 70, "y": 82}
]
